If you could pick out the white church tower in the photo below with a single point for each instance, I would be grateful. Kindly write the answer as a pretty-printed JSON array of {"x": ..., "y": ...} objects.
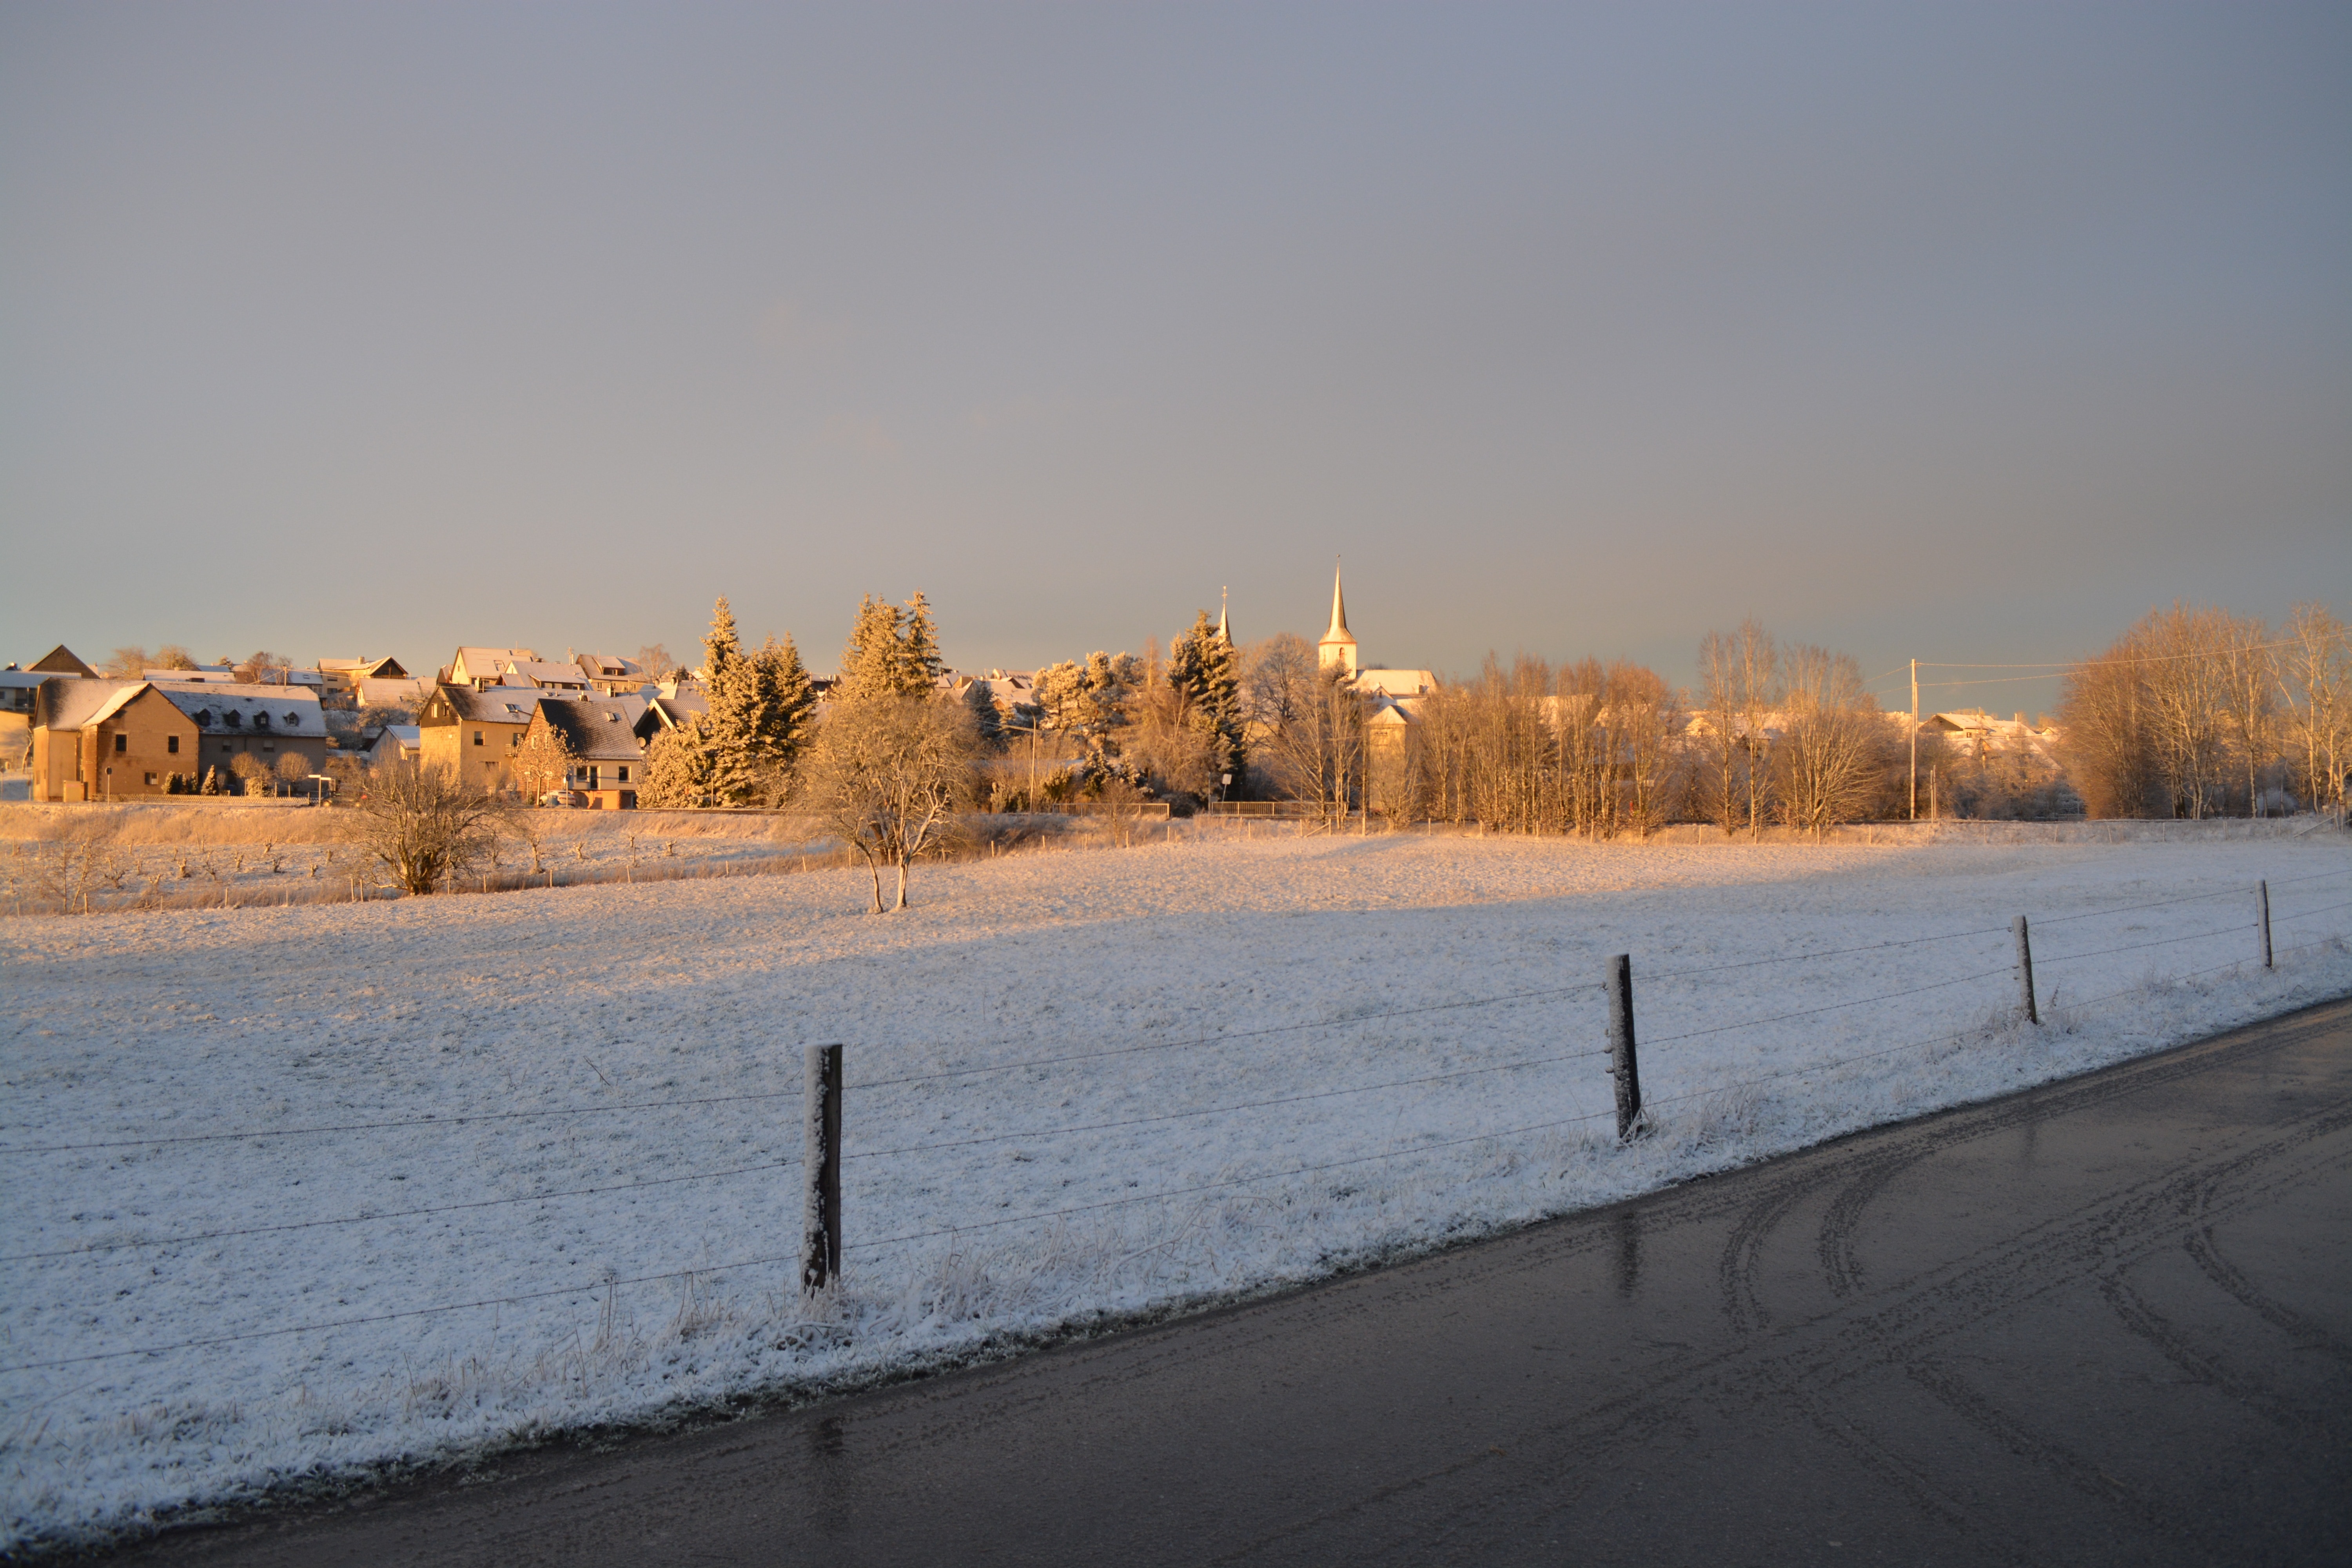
[{"x": 1338, "y": 649}]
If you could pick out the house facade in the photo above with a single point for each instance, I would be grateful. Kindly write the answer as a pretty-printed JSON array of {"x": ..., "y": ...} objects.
[
  {"x": 600, "y": 734},
  {"x": 127, "y": 740},
  {"x": 476, "y": 733}
]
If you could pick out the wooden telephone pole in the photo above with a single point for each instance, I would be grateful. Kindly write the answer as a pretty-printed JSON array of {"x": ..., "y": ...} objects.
[{"x": 1914, "y": 740}]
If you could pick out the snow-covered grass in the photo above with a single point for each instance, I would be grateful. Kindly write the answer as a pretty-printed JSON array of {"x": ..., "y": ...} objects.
[
  {"x": 1083, "y": 1088},
  {"x": 236, "y": 853}
]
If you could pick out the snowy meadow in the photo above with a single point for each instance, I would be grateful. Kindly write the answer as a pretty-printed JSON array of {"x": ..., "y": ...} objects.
[{"x": 304, "y": 1193}]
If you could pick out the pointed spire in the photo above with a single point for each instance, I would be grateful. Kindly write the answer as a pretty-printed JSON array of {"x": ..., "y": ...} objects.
[
  {"x": 1338, "y": 649},
  {"x": 1224, "y": 628}
]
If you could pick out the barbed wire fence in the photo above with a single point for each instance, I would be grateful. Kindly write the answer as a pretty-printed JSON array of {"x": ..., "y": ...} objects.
[{"x": 818, "y": 1254}]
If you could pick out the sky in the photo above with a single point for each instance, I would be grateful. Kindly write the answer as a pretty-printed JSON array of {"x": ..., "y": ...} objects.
[{"x": 1962, "y": 332}]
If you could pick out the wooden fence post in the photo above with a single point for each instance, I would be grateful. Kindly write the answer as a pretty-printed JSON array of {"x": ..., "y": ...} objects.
[
  {"x": 1621, "y": 1066},
  {"x": 2025, "y": 973},
  {"x": 821, "y": 1172},
  {"x": 2263, "y": 897}
]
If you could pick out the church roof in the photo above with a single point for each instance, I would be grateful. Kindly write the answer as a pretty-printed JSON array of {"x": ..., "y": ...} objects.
[{"x": 1339, "y": 632}]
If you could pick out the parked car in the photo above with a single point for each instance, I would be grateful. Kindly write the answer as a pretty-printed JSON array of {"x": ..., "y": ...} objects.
[{"x": 563, "y": 797}]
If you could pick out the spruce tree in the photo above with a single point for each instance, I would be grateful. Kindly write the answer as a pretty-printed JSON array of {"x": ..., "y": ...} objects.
[
  {"x": 1205, "y": 668},
  {"x": 920, "y": 658},
  {"x": 730, "y": 728},
  {"x": 980, "y": 699},
  {"x": 871, "y": 664},
  {"x": 787, "y": 699}
]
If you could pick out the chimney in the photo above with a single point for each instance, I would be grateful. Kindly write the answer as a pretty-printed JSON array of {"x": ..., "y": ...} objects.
[{"x": 2018, "y": 718}]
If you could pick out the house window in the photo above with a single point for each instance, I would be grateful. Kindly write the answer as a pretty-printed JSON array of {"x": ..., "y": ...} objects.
[
  {"x": 172, "y": 744},
  {"x": 150, "y": 781},
  {"x": 121, "y": 744},
  {"x": 625, "y": 773},
  {"x": 515, "y": 739},
  {"x": 477, "y": 737}
]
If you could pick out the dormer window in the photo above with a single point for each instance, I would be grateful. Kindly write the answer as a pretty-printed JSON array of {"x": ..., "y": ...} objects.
[
  {"x": 204, "y": 718},
  {"x": 233, "y": 720},
  {"x": 261, "y": 721},
  {"x": 293, "y": 721}
]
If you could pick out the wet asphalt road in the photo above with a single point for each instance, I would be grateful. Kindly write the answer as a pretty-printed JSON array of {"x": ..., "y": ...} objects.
[{"x": 2107, "y": 1321}]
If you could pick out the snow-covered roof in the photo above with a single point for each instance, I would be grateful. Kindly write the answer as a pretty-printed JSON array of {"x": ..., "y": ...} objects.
[
  {"x": 661, "y": 714},
  {"x": 1396, "y": 682},
  {"x": 475, "y": 665},
  {"x": 290, "y": 710},
  {"x": 541, "y": 672},
  {"x": 597, "y": 728},
  {"x": 65, "y": 702},
  {"x": 222, "y": 677},
  {"x": 396, "y": 740},
  {"x": 494, "y": 704},
  {"x": 374, "y": 693}
]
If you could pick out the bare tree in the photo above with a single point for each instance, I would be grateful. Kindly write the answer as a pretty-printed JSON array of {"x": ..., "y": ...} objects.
[
  {"x": 2249, "y": 696},
  {"x": 1827, "y": 759},
  {"x": 2315, "y": 677},
  {"x": 656, "y": 661},
  {"x": 2108, "y": 742},
  {"x": 887, "y": 774},
  {"x": 1319, "y": 758},
  {"x": 1649, "y": 722},
  {"x": 127, "y": 663},
  {"x": 173, "y": 656},
  {"x": 1278, "y": 680},
  {"x": 427, "y": 826},
  {"x": 544, "y": 761}
]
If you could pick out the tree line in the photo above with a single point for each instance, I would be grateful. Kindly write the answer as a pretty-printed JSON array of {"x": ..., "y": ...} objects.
[{"x": 2196, "y": 712}]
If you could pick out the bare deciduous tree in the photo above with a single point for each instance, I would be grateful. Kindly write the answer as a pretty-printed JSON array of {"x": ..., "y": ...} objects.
[
  {"x": 427, "y": 826},
  {"x": 1827, "y": 758},
  {"x": 888, "y": 773},
  {"x": 2315, "y": 677},
  {"x": 544, "y": 761}
]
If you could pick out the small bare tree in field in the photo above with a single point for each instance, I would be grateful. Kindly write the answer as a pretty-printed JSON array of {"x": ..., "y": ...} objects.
[
  {"x": 427, "y": 826},
  {"x": 888, "y": 773}
]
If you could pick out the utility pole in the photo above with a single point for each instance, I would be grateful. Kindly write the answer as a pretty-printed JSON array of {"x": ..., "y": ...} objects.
[{"x": 1914, "y": 740}]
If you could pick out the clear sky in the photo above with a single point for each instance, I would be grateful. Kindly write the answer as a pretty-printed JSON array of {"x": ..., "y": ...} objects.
[{"x": 1965, "y": 332}]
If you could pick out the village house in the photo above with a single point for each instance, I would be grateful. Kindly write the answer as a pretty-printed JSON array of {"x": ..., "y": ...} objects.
[
  {"x": 600, "y": 732},
  {"x": 113, "y": 740},
  {"x": 545, "y": 675},
  {"x": 394, "y": 743},
  {"x": 483, "y": 667},
  {"x": 475, "y": 732},
  {"x": 671, "y": 707},
  {"x": 612, "y": 675}
]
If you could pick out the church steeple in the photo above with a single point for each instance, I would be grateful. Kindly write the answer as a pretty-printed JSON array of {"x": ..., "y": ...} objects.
[
  {"x": 1225, "y": 629},
  {"x": 1337, "y": 648}
]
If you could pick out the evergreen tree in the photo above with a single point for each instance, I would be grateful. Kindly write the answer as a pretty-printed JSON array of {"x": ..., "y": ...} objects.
[
  {"x": 787, "y": 700},
  {"x": 677, "y": 769},
  {"x": 986, "y": 723},
  {"x": 1206, "y": 671},
  {"x": 871, "y": 665},
  {"x": 735, "y": 762},
  {"x": 920, "y": 660},
  {"x": 891, "y": 652}
]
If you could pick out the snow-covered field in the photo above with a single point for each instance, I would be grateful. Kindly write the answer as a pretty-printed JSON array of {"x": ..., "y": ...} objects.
[{"x": 264, "y": 1148}]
